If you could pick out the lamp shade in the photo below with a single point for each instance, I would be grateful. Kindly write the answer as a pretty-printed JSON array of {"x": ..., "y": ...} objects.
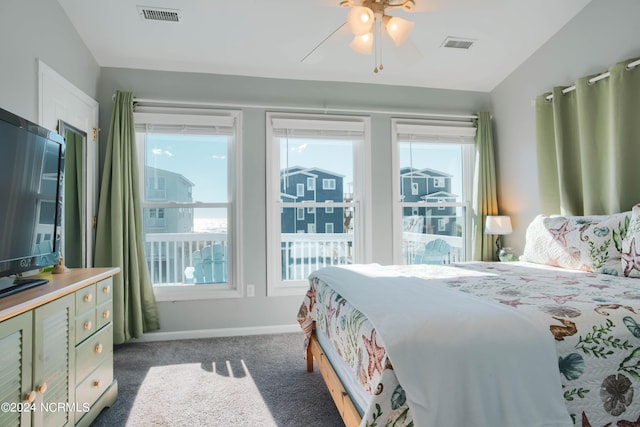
[
  {"x": 398, "y": 29},
  {"x": 360, "y": 20},
  {"x": 498, "y": 224},
  {"x": 362, "y": 44}
]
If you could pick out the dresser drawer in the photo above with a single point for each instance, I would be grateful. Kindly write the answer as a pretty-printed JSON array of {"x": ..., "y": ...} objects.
[
  {"x": 104, "y": 291},
  {"x": 93, "y": 351},
  {"x": 104, "y": 312},
  {"x": 86, "y": 299},
  {"x": 92, "y": 387},
  {"x": 85, "y": 325}
]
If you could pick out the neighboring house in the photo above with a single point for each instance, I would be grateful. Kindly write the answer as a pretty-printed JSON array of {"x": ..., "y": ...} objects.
[
  {"x": 165, "y": 186},
  {"x": 301, "y": 185},
  {"x": 432, "y": 186}
]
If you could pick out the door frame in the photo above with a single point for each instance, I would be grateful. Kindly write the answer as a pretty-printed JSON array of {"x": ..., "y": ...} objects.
[{"x": 59, "y": 99}]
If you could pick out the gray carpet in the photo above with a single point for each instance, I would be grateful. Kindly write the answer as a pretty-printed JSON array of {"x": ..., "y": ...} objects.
[{"x": 237, "y": 381}]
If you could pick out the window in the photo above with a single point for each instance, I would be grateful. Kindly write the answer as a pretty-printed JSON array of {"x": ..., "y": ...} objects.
[
  {"x": 334, "y": 151},
  {"x": 328, "y": 184},
  {"x": 415, "y": 190},
  {"x": 300, "y": 215},
  {"x": 311, "y": 184},
  {"x": 445, "y": 153},
  {"x": 300, "y": 190},
  {"x": 189, "y": 160}
]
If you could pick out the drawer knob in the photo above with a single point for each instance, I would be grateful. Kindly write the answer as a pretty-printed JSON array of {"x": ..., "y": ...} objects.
[
  {"x": 87, "y": 298},
  {"x": 87, "y": 325},
  {"x": 98, "y": 348},
  {"x": 42, "y": 388},
  {"x": 106, "y": 314},
  {"x": 106, "y": 289},
  {"x": 30, "y": 397},
  {"x": 97, "y": 383}
]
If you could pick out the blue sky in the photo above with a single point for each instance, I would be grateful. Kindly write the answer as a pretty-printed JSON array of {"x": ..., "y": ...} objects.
[{"x": 201, "y": 159}]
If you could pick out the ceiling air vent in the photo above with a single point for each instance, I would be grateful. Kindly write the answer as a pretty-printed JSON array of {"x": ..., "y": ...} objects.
[
  {"x": 158, "y": 14},
  {"x": 458, "y": 43}
]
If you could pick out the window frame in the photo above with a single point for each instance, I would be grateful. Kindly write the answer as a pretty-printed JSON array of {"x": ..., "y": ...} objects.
[
  {"x": 171, "y": 116},
  {"x": 441, "y": 131},
  {"x": 361, "y": 199},
  {"x": 328, "y": 183}
]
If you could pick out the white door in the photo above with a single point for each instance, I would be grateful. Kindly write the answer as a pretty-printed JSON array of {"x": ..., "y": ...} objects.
[{"x": 61, "y": 100}]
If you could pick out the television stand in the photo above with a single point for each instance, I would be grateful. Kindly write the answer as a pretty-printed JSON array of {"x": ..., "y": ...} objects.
[{"x": 20, "y": 284}]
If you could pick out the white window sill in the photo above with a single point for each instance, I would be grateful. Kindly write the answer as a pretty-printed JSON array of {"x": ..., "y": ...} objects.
[{"x": 195, "y": 292}]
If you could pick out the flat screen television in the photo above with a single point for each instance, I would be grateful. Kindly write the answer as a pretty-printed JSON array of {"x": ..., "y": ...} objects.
[{"x": 31, "y": 191}]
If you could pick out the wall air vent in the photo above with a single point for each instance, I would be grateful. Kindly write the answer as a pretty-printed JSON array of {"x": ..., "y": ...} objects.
[
  {"x": 158, "y": 14},
  {"x": 457, "y": 43}
]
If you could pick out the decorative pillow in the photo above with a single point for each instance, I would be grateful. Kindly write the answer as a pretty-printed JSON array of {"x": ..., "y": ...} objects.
[
  {"x": 631, "y": 246},
  {"x": 587, "y": 243}
]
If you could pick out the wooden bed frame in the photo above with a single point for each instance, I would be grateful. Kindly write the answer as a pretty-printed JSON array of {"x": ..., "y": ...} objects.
[{"x": 341, "y": 398}]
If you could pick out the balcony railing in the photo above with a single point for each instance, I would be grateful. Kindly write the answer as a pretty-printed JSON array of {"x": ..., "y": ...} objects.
[
  {"x": 172, "y": 258},
  {"x": 303, "y": 253},
  {"x": 414, "y": 243}
]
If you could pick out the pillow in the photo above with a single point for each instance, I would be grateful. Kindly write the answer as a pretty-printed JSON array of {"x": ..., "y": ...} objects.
[
  {"x": 631, "y": 246},
  {"x": 587, "y": 243}
]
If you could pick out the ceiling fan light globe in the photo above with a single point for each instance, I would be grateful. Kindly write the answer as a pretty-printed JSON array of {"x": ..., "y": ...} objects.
[
  {"x": 362, "y": 44},
  {"x": 398, "y": 29},
  {"x": 360, "y": 20}
]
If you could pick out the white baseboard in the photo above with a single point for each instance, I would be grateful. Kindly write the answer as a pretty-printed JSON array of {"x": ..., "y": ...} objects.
[{"x": 215, "y": 333}]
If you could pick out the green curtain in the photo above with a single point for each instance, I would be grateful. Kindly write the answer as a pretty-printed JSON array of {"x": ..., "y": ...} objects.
[
  {"x": 74, "y": 222},
  {"x": 485, "y": 198},
  {"x": 588, "y": 145},
  {"x": 119, "y": 237}
]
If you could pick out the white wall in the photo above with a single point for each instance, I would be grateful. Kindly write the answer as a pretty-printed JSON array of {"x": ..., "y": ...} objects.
[
  {"x": 603, "y": 33},
  {"x": 33, "y": 30},
  {"x": 262, "y": 311}
]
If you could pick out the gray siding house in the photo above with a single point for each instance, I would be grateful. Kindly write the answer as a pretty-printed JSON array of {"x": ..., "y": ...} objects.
[
  {"x": 298, "y": 185},
  {"x": 429, "y": 185}
]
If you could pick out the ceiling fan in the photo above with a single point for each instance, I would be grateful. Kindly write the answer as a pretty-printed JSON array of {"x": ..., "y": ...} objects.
[{"x": 368, "y": 21}]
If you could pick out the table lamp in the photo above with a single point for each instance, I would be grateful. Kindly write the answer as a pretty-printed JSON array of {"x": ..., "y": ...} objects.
[{"x": 500, "y": 225}]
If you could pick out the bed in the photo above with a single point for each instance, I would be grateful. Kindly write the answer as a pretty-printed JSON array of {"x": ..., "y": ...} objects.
[{"x": 551, "y": 340}]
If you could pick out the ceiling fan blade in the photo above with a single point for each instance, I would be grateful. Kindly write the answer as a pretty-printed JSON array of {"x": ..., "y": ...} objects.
[
  {"x": 312, "y": 54},
  {"x": 408, "y": 53}
]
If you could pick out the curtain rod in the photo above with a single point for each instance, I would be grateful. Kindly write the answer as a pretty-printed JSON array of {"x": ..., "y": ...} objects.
[
  {"x": 325, "y": 109},
  {"x": 594, "y": 79}
]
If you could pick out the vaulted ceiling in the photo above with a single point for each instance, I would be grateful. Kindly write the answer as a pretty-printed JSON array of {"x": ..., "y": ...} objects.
[{"x": 278, "y": 39}]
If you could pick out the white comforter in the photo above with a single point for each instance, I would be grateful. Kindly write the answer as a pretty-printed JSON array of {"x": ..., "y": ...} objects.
[{"x": 455, "y": 355}]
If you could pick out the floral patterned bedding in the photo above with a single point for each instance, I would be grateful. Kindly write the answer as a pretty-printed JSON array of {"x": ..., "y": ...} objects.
[{"x": 593, "y": 318}]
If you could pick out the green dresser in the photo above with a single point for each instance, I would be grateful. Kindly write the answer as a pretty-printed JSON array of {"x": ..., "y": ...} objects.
[{"x": 56, "y": 350}]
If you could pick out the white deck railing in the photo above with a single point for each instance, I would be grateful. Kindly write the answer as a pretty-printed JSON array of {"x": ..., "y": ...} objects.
[
  {"x": 170, "y": 256},
  {"x": 303, "y": 253},
  {"x": 413, "y": 243}
]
